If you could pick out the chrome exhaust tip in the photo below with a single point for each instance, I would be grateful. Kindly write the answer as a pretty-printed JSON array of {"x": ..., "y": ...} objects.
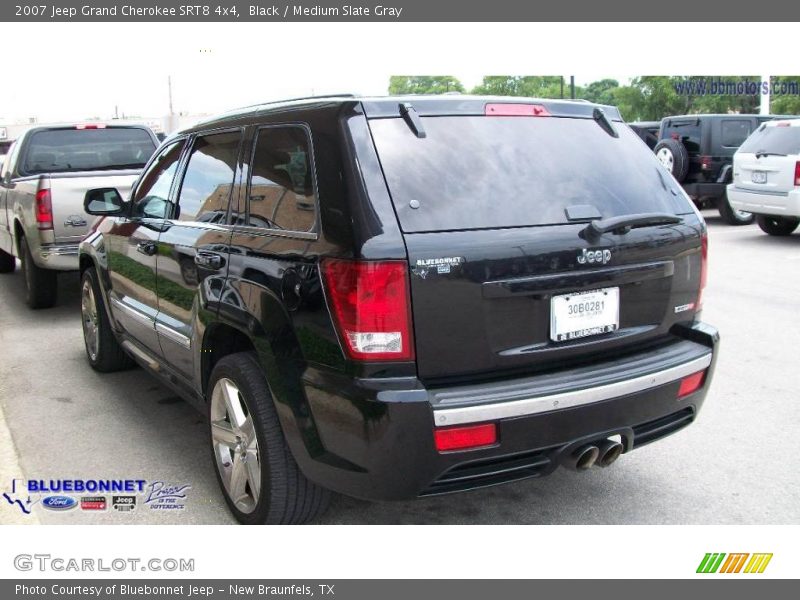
[
  {"x": 608, "y": 453},
  {"x": 583, "y": 458}
]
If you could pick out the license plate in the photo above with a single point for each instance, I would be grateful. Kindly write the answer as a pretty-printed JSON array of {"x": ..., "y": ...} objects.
[
  {"x": 759, "y": 177},
  {"x": 583, "y": 314}
]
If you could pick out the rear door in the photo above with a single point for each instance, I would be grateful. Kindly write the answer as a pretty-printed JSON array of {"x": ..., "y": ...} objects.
[
  {"x": 766, "y": 162},
  {"x": 193, "y": 245},
  {"x": 6, "y": 216},
  {"x": 494, "y": 211}
]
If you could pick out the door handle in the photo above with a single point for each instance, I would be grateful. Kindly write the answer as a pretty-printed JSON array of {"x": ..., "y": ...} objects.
[
  {"x": 208, "y": 260},
  {"x": 146, "y": 248}
]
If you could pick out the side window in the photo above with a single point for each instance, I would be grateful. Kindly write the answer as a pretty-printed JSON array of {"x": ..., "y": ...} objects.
[
  {"x": 151, "y": 198},
  {"x": 280, "y": 191},
  {"x": 207, "y": 183},
  {"x": 9, "y": 160},
  {"x": 734, "y": 132}
]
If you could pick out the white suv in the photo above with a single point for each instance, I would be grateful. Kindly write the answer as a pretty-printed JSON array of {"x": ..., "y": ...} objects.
[{"x": 766, "y": 176}]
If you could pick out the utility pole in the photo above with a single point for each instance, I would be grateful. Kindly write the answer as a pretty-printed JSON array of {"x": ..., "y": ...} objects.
[
  {"x": 572, "y": 87},
  {"x": 765, "y": 95},
  {"x": 169, "y": 91}
]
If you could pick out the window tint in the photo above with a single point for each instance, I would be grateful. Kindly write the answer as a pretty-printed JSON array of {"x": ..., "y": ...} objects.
[
  {"x": 64, "y": 150},
  {"x": 734, "y": 132},
  {"x": 783, "y": 140},
  {"x": 280, "y": 192},
  {"x": 688, "y": 132},
  {"x": 206, "y": 187},
  {"x": 8, "y": 160},
  {"x": 487, "y": 172},
  {"x": 151, "y": 199}
]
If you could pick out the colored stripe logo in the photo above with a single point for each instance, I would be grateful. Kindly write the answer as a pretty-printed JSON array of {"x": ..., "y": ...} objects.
[{"x": 737, "y": 562}]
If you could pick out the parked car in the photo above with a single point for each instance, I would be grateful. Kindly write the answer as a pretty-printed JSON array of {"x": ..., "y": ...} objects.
[
  {"x": 647, "y": 131},
  {"x": 42, "y": 186},
  {"x": 407, "y": 297},
  {"x": 766, "y": 177},
  {"x": 698, "y": 150}
]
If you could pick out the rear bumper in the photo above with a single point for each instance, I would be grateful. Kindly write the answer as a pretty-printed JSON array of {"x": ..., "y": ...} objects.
[
  {"x": 775, "y": 204},
  {"x": 375, "y": 438},
  {"x": 58, "y": 257}
]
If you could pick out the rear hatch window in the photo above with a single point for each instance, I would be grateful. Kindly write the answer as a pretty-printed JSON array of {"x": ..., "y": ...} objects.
[
  {"x": 73, "y": 149},
  {"x": 777, "y": 139},
  {"x": 476, "y": 172},
  {"x": 687, "y": 132}
]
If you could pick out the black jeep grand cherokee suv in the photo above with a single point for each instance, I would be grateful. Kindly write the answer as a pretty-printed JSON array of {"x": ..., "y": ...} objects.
[{"x": 401, "y": 297}]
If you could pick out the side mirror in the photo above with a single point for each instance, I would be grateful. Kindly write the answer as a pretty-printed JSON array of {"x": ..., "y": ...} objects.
[{"x": 103, "y": 202}]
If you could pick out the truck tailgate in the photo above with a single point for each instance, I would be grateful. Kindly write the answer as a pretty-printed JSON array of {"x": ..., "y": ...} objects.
[{"x": 70, "y": 222}]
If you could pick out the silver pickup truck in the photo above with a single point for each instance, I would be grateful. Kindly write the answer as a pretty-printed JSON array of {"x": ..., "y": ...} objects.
[{"x": 42, "y": 185}]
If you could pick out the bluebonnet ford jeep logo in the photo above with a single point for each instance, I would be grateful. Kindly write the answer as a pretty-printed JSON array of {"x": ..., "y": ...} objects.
[
  {"x": 64, "y": 494},
  {"x": 59, "y": 502}
]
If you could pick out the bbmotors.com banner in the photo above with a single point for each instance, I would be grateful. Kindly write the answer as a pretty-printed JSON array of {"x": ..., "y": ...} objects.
[{"x": 396, "y": 11}]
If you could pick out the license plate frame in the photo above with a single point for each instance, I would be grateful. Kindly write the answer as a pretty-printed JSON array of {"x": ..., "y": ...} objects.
[
  {"x": 758, "y": 177},
  {"x": 586, "y": 319}
]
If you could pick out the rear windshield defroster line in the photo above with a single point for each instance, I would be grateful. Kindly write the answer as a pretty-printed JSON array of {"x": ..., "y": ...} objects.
[{"x": 473, "y": 172}]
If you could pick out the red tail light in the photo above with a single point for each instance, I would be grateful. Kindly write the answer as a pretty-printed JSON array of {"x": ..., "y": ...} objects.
[
  {"x": 703, "y": 270},
  {"x": 692, "y": 383},
  {"x": 463, "y": 438},
  {"x": 91, "y": 126},
  {"x": 44, "y": 209},
  {"x": 705, "y": 162},
  {"x": 371, "y": 306},
  {"x": 797, "y": 174},
  {"x": 516, "y": 110}
]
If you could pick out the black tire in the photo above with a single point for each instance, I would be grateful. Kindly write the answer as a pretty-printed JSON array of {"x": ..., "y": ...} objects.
[
  {"x": 108, "y": 355},
  {"x": 779, "y": 226},
  {"x": 286, "y": 496},
  {"x": 732, "y": 216},
  {"x": 678, "y": 157},
  {"x": 7, "y": 262},
  {"x": 41, "y": 285}
]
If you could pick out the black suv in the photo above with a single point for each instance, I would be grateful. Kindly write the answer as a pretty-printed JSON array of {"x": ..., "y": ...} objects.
[
  {"x": 400, "y": 297},
  {"x": 699, "y": 149}
]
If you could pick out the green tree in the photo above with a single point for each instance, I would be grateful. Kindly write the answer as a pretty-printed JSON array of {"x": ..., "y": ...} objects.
[
  {"x": 601, "y": 92},
  {"x": 424, "y": 84},
  {"x": 785, "y": 99},
  {"x": 516, "y": 85}
]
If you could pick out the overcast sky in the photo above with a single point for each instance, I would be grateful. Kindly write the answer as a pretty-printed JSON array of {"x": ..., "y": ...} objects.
[{"x": 68, "y": 71}]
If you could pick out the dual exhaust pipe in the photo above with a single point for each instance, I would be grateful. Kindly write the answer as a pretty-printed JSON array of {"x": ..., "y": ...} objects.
[{"x": 602, "y": 454}]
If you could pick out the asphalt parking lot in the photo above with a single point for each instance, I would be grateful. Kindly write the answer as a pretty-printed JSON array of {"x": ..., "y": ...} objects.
[{"x": 735, "y": 465}]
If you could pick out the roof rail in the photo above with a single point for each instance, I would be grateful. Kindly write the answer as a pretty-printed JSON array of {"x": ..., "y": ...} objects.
[{"x": 283, "y": 100}]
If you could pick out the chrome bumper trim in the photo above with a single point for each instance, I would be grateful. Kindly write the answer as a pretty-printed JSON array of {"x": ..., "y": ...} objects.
[{"x": 541, "y": 404}]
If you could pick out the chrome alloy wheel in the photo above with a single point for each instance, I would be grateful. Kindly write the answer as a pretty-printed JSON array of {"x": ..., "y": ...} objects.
[
  {"x": 91, "y": 325},
  {"x": 667, "y": 159},
  {"x": 233, "y": 436}
]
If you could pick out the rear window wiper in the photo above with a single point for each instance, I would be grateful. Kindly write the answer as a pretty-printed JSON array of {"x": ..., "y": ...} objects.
[
  {"x": 625, "y": 223},
  {"x": 410, "y": 116},
  {"x": 762, "y": 153},
  {"x": 599, "y": 115}
]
